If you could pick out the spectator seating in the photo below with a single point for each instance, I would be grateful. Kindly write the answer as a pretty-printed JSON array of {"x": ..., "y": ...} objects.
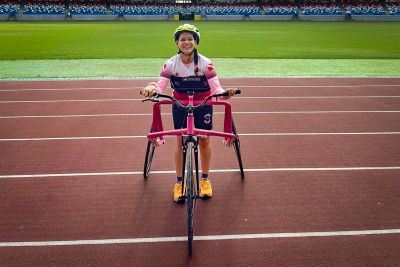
[
  {"x": 244, "y": 10},
  {"x": 321, "y": 8},
  {"x": 364, "y": 8},
  {"x": 91, "y": 7},
  {"x": 394, "y": 9},
  {"x": 126, "y": 9},
  {"x": 9, "y": 8},
  {"x": 212, "y": 9},
  {"x": 44, "y": 7},
  {"x": 87, "y": 10},
  {"x": 279, "y": 9}
]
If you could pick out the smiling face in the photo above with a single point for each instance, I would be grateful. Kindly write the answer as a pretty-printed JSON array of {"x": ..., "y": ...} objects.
[{"x": 186, "y": 43}]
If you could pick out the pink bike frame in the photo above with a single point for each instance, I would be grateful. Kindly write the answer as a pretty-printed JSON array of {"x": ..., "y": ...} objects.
[{"x": 157, "y": 134}]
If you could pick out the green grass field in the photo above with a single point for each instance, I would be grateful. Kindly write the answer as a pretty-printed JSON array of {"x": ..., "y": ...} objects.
[
  {"x": 275, "y": 40},
  {"x": 103, "y": 42}
]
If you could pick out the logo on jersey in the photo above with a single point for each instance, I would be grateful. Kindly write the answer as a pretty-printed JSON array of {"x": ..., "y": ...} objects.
[
  {"x": 192, "y": 79},
  {"x": 207, "y": 118},
  {"x": 210, "y": 67}
]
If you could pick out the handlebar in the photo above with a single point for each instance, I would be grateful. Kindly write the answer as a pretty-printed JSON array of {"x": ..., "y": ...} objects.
[{"x": 155, "y": 97}]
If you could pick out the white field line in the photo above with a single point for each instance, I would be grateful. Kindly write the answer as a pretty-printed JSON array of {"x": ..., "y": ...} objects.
[
  {"x": 197, "y": 238},
  {"x": 21, "y": 176},
  {"x": 143, "y": 136},
  {"x": 238, "y": 97},
  {"x": 241, "y": 86},
  {"x": 235, "y": 112}
]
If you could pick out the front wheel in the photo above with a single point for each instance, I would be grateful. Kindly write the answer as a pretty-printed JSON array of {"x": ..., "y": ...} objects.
[
  {"x": 148, "y": 159},
  {"x": 190, "y": 199}
]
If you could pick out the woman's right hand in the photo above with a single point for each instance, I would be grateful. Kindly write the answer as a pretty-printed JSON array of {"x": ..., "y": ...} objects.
[{"x": 148, "y": 91}]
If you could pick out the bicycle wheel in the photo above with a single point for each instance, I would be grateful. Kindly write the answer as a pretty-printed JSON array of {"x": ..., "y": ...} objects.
[
  {"x": 190, "y": 199},
  {"x": 236, "y": 146},
  {"x": 148, "y": 159}
]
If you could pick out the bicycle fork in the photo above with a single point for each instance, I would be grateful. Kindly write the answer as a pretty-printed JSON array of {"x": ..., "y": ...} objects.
[{"x": 185, "y": 143}]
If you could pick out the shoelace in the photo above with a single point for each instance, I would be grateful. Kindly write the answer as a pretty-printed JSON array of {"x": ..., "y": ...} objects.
[
  {"x": 178, "y": 186},
  {"x": 205, "y": 184}
]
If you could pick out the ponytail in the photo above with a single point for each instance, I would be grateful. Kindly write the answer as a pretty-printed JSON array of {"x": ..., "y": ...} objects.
[{"x": 196, "y": 61}]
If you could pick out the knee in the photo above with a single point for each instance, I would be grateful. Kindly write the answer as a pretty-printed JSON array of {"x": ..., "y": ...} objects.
[
  {"x": 178, "y": 145},
  {"x": 204, "y": 142}
]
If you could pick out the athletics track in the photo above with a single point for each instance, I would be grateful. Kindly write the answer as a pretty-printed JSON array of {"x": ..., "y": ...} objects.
[{"x": 322, "y": 186}]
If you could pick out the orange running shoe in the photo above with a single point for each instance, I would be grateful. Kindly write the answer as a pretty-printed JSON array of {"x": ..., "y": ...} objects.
[
  {"x": 177, "y": 192},
  {"x": 205, "y": 188}
]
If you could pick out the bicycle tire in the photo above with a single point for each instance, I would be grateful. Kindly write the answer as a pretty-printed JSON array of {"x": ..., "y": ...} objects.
[
  {"x": 236, "y": 146},
  {"x": 190, "y": 199},
  {"x": 148, "y": 159}
]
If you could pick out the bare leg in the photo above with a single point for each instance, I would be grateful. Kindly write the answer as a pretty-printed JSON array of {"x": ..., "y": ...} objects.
[
  {"x": 205, "y": 154},
  {"x": 178, "y": 157}
]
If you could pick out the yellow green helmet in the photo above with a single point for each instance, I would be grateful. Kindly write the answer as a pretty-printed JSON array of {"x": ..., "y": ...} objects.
[{"x": 187, "y": 28}]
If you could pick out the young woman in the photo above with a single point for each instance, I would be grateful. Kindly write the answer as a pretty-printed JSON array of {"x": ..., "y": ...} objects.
[{"x": 190, "y": 70}]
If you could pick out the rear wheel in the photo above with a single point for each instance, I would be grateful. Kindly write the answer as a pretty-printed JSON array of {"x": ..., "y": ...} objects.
[{"x": 236, "y": 146}]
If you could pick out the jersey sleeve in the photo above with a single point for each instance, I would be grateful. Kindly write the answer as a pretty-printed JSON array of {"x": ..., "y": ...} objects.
[
  {"x": 164, "y": 78},
  {"x": 212, "y": 78},
  {"x": 166, "y": 72},
  {"x": 209, "y": 71}
]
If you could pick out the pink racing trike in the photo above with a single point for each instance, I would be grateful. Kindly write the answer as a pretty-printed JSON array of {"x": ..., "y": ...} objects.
[{"x": 190, "y": 137}]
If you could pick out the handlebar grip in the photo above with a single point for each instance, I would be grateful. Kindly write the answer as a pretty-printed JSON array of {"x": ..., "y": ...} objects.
[{"x": 237, "y": 92}]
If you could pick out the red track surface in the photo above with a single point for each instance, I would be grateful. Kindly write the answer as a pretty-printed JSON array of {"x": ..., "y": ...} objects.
[{"x": 335, "y": 124}]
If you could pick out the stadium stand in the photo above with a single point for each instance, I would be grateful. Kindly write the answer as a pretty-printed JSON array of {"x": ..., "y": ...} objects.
[
  {"x": 321, "y": 8},
  {"x": 394, "y": 8},
  {"x": 9, "y": 8},
  {"x": 363, "y": 8},
  {"x": 244, "y": 10},
  {"x": 279, "y": 8},
  {"x": 318, "y": 10},
  {"x": 87, "y": 7},
  {"x": 51, "y": 7},
  {"x": 133, "y": 9}
]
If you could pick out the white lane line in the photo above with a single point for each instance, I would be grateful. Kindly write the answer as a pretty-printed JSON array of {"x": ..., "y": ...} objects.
[
  {"x": 306, "y": 134},
  {"x": 313, "y": 86},
  {"x": 72, "y": 89},
  {"x": 314, "y": 112},
  {"x": 235, "y": 112},
  {"x": 197, "y": 238},
  {"x": 143, "y": 136},
  {"x": 71, "y": 100},
  {"x": 73, "y": 138},
  {"x": 19, "y": 176},
  {"x": 238, "y": 97},
  {"x": 78, "y": 115},
  {"x": 316, "y": 97},
  {"x": 238, "y": 86}
]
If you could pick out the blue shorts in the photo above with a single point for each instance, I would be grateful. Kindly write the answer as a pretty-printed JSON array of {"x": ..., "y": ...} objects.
[{"x": 202, "y": 117}]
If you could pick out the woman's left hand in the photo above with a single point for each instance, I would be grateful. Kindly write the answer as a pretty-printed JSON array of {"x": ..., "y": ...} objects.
[{"x": 231, "y": 92}]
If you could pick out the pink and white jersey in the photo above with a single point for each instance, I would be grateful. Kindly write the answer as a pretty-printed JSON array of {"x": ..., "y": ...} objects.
[{"x": 174, "y": 67}]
